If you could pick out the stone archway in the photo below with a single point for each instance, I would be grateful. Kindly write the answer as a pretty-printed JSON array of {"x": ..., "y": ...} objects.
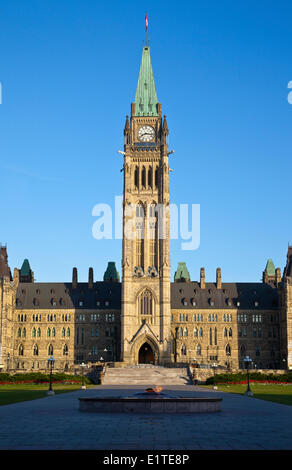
[{"x": 146, "y": 354}]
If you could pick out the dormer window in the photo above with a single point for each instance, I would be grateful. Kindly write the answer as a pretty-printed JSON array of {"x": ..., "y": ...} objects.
[
  {"x": 54, "y": 302},
  {"x": 81, "y": 303},
  {"x": 106, "y": 303},
  {"x": 185, "y": 302},
  {"x": 62, "y": 302},
  {"x": 229, "y": 302},
  {"x": 238, "y": 304},
  {"x": 194, "y": 303},
  {"x": 98, "y": 303},
  {"x": 36, "y": 302},
  {"x": 256, "y": 304},
  {"x": 212, "y": 303}
]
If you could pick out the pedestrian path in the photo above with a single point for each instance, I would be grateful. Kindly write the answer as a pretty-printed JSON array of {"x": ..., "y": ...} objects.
[{"x": 55, "y": 422}]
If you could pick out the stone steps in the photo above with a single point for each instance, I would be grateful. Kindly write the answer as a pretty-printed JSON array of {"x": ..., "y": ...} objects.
[{"x": 144, "y": 375}]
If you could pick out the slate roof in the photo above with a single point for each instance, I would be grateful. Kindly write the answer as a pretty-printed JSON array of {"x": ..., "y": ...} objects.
[
  {"x": 41, "y": 295},
  {"x": 44, "y": 294},
  {"x": 226, "y": 298}
]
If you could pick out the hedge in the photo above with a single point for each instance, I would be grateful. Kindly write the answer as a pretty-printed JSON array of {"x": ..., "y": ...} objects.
[
  {"x": 38, "y": 377},
  {"x": 241, "y": 377}
]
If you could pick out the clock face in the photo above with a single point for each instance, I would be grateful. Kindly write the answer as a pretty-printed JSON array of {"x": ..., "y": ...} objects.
[{"x": 146, "y": 133}]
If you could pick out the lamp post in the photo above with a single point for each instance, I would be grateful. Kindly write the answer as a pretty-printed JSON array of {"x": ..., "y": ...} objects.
[
  {"x": 195, "y": 380},
  {"x": 83, "y": 386},
  {"x": 105, "y": 354},
  {"x": 51, "y": 363},
  {"x": 248, "y": 361},
  {"x": 228, "y": 361},
  {"x": 214, "y": 366}
]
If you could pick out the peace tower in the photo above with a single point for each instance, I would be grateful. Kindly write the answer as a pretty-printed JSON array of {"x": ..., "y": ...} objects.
[{"x": 145, "y": 316}]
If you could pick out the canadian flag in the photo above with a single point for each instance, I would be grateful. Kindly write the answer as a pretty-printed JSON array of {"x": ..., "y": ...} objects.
[{"x": 146, "y": 21}]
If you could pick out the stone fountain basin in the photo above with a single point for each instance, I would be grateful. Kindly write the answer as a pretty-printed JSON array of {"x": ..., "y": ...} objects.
[{"x": 144, "y": 403}]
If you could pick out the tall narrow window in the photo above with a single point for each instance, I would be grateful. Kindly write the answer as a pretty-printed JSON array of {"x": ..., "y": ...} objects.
[
  {"x": 140, "y": 235},
  {"x": 210, "y": 336},
  {"x": 156, "y": 177},
  {"x": 150, "y": 176},
  {"x": 143, "y": 177},
  {"x": 136, "y": 177}
]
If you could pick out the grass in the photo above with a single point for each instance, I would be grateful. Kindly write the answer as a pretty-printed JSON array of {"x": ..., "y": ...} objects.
[
  {"x": 14, "y": 393},
  {"x": 271, "y": 392}
]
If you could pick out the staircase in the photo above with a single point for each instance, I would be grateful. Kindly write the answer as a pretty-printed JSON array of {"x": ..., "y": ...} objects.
[{"x": 146, "y": 374}]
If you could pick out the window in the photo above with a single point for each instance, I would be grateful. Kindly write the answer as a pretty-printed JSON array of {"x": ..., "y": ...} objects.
[
  {"x": 198, "y": 349},
  {"x": 185, "y": 332},
  {"x": 145, "y": 303},
  {"x": 33, "y": 332},
  {"x": 228, "y": 350},
  {"x": 39, "y": 333},
  {"x": 35, "y": 350},
  {"x": 183, "y": 350},
  {"x": 195, "y": 332},
  {"x": 68, "y": 332},
  {"x": 50, "y": 350},
  {"x": 20, "y": 350}
]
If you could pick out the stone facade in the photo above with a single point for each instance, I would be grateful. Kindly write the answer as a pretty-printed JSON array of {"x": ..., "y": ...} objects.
[{"x": 144, "y": 317}]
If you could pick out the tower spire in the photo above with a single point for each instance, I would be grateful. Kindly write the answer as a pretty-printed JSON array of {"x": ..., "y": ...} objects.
[{"x": 146, "y": 96}]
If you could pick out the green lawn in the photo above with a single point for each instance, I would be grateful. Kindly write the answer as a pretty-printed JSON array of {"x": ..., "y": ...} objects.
[
  {"x": 270, "y": 392},
  {"x": 13, "y": 393}
]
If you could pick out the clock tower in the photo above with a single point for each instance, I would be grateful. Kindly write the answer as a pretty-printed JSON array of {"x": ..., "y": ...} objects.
[{"x": 145, "y": 323}]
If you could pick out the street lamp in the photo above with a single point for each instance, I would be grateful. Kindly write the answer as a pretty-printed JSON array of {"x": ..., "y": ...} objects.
[
  {"x": 214, "y": 366},
  {"x": 248, "y": 361},
  {"x": 228, "y": 360},
  {"x": 51, "y": 362},
  {"x": 83, "y": 386}
]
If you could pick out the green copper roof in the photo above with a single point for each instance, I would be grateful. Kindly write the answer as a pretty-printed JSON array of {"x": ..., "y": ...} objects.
[
  {"x": 270, "y": 268},
  {"x": 146, "y": 97},
  {"x": 25, "y": 268},
  {"x": 182, "y": 273},
  {"x": 111, "y": 274}
]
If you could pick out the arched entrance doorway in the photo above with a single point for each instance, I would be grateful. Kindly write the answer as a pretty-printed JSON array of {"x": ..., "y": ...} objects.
[{"x": 146, "y": 355}]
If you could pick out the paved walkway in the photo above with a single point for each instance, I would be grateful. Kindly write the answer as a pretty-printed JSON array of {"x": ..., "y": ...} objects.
[{"x": 55, "y": 422}]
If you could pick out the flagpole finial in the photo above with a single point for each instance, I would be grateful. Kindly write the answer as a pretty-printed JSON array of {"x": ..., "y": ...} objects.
[{"x": 146, "y": 28}]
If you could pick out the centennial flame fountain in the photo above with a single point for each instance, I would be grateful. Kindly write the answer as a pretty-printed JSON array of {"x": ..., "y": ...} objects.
[{"x": 151, "y": 400}]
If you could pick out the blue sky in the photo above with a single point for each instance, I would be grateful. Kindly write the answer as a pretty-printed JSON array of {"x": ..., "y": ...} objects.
[{"x": 69, "y": 72}]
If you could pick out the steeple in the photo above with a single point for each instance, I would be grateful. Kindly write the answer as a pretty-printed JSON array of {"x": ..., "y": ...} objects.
[{"x": 146, "y": 98}]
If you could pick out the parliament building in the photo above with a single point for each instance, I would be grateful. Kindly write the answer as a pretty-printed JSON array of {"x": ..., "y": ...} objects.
[{"x": 145, "y": 317}]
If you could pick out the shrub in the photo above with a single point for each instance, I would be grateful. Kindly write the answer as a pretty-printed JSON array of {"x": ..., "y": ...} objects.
[{"x": 38, "y": 377}]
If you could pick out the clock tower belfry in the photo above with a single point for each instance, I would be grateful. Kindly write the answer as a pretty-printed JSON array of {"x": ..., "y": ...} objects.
[{"x": 145, "y": 322}]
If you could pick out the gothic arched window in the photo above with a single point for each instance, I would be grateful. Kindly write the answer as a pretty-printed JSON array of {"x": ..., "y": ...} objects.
[{"x": 146, "y": 303}]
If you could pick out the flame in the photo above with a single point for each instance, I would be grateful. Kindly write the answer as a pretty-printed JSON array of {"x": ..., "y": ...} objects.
[{"x": 156, "y": 389}]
